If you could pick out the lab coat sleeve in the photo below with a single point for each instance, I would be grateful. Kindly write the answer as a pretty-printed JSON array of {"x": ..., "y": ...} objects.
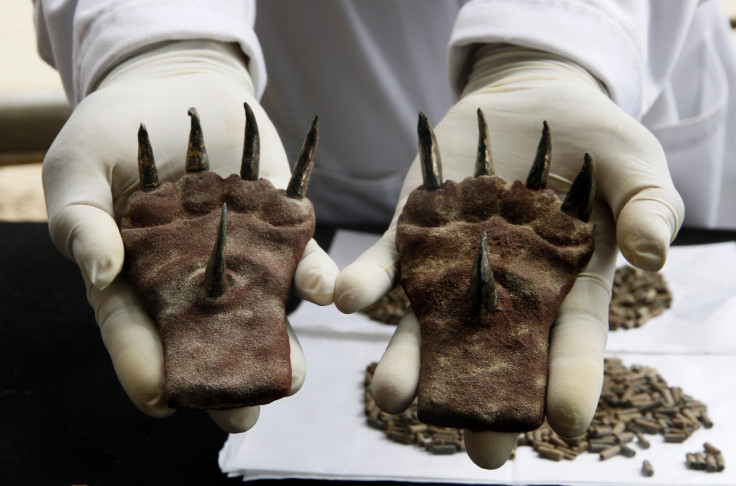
[
  {"x": 629, "y": 45},
  {"x": 85, "y": 39}
]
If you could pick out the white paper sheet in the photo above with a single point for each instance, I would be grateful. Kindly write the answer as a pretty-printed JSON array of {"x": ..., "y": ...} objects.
[{"x": 321, "y": 432}]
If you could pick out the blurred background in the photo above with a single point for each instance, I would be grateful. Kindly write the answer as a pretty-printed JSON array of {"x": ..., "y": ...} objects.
[{"x": 33, "y": 108}]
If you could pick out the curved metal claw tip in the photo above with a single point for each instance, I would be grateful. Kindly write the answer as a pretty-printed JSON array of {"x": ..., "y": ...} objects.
[
  {"x": 299, "y": 181},
  {"x": 215, "y": 280},
  {"x": 537, "y": 178},
  {"x": 429, "y": 154},
  {"x": 579, "y": 200},
  {"x": 483, "y": 161},
  {"x": 196, "y": 153},
  {"x": 481, "y": 292},
  {"x": 146, "y": 165},
  {"x": 250, "y": 165}
]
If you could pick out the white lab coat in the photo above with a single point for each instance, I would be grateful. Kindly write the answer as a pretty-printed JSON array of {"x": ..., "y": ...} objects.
[{"x": 368, "y": 66}]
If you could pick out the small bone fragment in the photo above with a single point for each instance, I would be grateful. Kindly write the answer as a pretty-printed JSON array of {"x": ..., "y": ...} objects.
[
  {"x": 610, "y": 452},
  {"x": 711, "y": 448}
]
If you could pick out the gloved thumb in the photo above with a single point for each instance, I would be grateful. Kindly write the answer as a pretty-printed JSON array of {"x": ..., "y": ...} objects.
[
  {"x": 91, "y": 238},
  {"x": 79, "y": 202},
  {"x": 315, "y": 275},
  {"x": 646, "y": 226},
  {"x": 370, "y": 276}
]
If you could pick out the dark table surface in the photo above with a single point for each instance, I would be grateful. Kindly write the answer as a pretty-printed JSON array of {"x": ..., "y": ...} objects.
[{"x": 64, "y": 418}]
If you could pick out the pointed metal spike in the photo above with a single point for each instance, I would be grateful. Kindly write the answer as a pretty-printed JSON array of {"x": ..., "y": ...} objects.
[
  {"x": 215, "y": 280},
  {"x": 579, "y": 200},
  {"x": 299, "y": 181},
  {"x": 429, "y": 154},
  {"x": 250, "y": 166},
  {"x": 481, "y": 292},
  {"x": 537, "y": 178},
  {"x": 484, "y": 161},
  {"x": 146, "y": 165},
  {"x": 196, "y": 153}
]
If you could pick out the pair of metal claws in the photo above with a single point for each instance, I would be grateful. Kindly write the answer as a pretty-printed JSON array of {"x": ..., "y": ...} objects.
[
  {"x": 578, "y": 203},
  {"x": 481, "y": 291},
  {"x": 197, "y": 160}
]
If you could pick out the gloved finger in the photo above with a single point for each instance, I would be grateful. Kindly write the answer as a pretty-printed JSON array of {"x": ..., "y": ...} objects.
[
  {"x": 647, "y": 208},
  {"x": 578, "y": 337},
  {"x": 79, "y": 201},
  {"x": 646, "y": 226},
  {"x": 298, "y": 363},
  {"x": 133, "y": 342},
  {"x": 314, "y": 279},
  {"x": 370, "y": 276},
  {"x": 396, "y": 377},
  {"x": 236, "y": 420},
  {"x": 489, "y": 450},
  {"x": 577, "y": 346}
]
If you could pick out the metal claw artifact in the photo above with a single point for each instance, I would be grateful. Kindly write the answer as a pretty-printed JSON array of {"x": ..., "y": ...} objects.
[
  {"x": 213, "y": 261},
  {"x": 485, "y": 309}
]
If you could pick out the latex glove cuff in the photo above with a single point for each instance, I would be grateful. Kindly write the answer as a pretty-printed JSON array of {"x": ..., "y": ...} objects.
[
  {"x": 496, "y": 64},
  {"x": 180, "y": 58}
]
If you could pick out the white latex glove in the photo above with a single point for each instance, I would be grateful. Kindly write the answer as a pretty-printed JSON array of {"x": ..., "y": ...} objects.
[
  {"x": 637, "y": 208},
  {"x": 91, "y": 169}
]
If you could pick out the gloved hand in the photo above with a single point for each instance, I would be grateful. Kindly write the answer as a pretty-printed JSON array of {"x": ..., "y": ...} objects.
[
  {"x": 91, "y": 169},
  {"x": 637, "y": 208}
]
